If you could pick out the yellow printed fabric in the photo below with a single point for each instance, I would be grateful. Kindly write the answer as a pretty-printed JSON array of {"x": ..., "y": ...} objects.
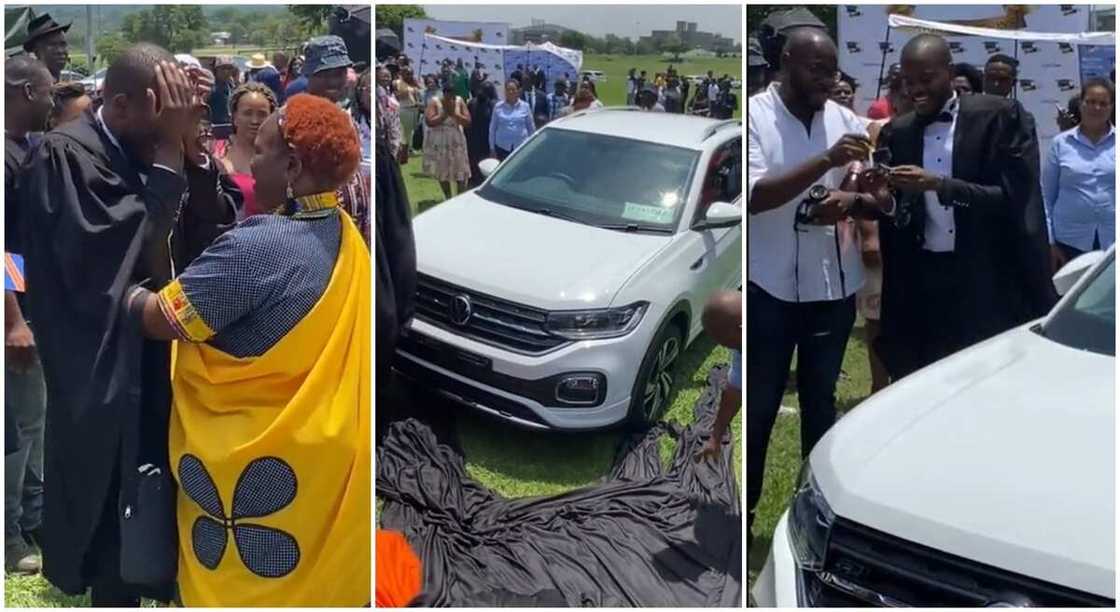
[
  {"x": 182, "y": 314},
  {"x": 272, "y": 456}
]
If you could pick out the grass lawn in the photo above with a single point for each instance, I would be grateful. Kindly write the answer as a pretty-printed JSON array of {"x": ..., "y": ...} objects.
[
  {"x": 515, "y": 462},
  {"x": 612, "y": 92},
  {"x": 783, "y": 460}
]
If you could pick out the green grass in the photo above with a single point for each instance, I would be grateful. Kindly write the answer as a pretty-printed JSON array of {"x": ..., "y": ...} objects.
[
  {"x": 612, "y": 92},
  {"x": 783, "y": 460}
]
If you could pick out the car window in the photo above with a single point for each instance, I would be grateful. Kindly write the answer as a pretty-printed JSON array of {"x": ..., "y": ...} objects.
[
  {"x": 1087, "y": 321},
  {"x": 723, "y": 180},
  {"x": 596, "y": 179}
]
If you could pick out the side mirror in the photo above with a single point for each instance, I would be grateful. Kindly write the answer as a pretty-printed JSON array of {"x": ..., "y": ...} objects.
[
  {"x": 720, "y": 215},
  {"x": 488, "y": 166},
  {"x": 1074, "y": 269}
]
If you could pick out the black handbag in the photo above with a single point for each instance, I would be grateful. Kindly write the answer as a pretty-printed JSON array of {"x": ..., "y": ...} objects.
[
  {"x": 149, "y": 535},
  {"x": 418, "y": 136}
]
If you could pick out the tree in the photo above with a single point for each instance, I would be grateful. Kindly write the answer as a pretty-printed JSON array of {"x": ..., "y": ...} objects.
[
  {"x": 673, "y": 44},
  {"x": 110, "y": 46},
  {"x": 392, "y": 16},
  {"x": 645, "y": 47},
  {"x": 313, "y": 17},
  {"x": 176, "y": 28},
  {"x": 573, "y": 40}
]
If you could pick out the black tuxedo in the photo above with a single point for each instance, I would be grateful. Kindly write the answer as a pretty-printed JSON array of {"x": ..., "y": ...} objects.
[
  {"x": 538, "y": 102},
  {"x": 999, "y": 274}
]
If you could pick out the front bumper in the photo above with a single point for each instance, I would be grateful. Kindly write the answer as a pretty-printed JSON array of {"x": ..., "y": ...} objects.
[
  {"x": 779, "y": 583},
  {"x": 498, "y": 381}
]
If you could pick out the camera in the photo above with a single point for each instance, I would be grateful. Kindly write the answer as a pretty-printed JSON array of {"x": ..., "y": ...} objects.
[{"x": 806, "y": 209}]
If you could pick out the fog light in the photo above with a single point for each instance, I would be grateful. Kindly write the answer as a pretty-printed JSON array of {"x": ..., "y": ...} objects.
[{"x": 580, "y": 389}]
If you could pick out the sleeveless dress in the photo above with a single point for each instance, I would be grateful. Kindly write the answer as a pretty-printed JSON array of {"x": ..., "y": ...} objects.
[{"x": 445, "y": 152}]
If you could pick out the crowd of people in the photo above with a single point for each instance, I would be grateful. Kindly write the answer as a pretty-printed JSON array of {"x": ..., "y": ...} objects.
[
  {"x": 238, "y": 472},
  {"x": 936, "y": 216},
  {"x": 669, "y": 92},
  {"x": 459, "y": 117}
]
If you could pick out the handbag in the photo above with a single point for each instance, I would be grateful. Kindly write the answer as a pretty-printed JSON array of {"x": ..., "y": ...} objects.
[
  {"x": 149, "y": 535},
  {"x": 418, "y": 136}
]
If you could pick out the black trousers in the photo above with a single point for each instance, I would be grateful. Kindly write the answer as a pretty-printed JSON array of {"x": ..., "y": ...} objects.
[
  {"x": 501, "y": 153},
  {"x": 819, "y": 331}
]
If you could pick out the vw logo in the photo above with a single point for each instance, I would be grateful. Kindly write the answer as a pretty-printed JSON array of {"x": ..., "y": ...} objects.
[{"x": 460, "y": 310}]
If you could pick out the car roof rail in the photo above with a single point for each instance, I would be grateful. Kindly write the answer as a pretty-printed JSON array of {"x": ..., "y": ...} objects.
[
  {"x": 587, "y": 111},
  {"x": 711, "y": 130}
]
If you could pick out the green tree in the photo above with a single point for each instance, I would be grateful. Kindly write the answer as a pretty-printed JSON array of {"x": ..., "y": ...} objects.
[
  {"x": 176, "y": 28},
  {"x": 392, "y": 16},
  {"x": 573, "y": 40},
  {"x": 673, "y": 44},
  {"x": 110, "y": 46},
  {"x": 645, "y": 47},
  {"x": 313, "y": 15}
]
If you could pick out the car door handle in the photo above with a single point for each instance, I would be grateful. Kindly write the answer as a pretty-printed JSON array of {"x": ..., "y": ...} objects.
[{"x": 697, "y": 264}]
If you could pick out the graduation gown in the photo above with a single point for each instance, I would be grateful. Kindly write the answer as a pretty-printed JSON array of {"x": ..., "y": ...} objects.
[
  {"x": 92, "y": 229},
  {"x": 1001, "y": 238},
  {"x": 395, "y": 256}
]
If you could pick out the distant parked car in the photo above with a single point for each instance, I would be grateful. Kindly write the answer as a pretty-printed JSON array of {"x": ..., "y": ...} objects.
[
  {"x": 93, "y": 83},
  {"x": 71, "y": 75}
]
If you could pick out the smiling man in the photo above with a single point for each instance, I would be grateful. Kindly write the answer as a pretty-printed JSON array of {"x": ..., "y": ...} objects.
[
  {"x": 804, "y": 273},
  {"x": 965, "y": 250}
]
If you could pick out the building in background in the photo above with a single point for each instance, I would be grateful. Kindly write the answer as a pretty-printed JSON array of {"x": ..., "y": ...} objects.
[
  {"x": 537, "y": 32},
  {"x": 691, "y": 37}
]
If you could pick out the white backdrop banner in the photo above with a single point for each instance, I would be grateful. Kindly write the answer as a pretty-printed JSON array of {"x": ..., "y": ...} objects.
[
  {"x": 490, "y": 33},
  {"x": 500, "y": 60},
  {"x": 1048, "y": 70}
]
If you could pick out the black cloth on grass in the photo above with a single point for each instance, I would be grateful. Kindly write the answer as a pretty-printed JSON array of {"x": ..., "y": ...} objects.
[{"x": 644, "y": 536}]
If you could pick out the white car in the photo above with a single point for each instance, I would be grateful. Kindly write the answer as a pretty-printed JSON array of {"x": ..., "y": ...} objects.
[
  {"x": 595, "y": 76},
  {"x": 985, "y": 480},
  {"x": 560, "y": 293},
  {"x": 93, "y": 83}
]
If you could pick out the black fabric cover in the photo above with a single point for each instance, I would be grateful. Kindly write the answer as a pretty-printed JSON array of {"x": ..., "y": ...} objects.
[{"x": 644, "y": 536}]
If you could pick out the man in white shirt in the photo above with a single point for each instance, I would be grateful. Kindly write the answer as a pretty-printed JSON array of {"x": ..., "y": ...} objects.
[{"x": 803, "y": 273}]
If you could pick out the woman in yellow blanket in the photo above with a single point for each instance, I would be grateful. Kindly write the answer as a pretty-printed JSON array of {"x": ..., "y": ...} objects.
[{"x": 270, "y": 430}]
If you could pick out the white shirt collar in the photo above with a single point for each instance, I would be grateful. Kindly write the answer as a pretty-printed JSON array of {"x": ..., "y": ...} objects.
[{"x": 105, "y": 128}]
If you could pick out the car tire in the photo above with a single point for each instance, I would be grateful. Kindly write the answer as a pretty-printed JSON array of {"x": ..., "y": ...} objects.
[{"x": 650, "y": 395}]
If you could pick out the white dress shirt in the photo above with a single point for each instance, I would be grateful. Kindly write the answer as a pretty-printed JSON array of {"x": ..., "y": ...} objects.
[
  {"x": 937, "y": 157},
  {"x": 798, "y": 266}
]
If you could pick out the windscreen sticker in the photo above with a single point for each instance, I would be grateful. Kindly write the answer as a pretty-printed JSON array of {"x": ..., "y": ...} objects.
[{"x": 647, "y": 214}]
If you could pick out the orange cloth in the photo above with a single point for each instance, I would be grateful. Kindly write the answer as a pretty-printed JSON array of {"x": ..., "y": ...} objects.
[{"x": 398, "y": 571}]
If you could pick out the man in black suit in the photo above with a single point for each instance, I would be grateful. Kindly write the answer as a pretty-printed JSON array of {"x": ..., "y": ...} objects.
[
  {"x": 964, "y": 240},
  {"x": 538, "y": 103}
]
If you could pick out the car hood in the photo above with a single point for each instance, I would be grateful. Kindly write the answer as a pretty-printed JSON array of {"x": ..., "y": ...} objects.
[
  {"x": 1003, "y": 454},
  {"x": 526, "y": 257}
]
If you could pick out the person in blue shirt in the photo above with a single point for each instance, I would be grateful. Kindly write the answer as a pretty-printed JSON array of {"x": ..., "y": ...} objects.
[
  {"x": 511, "y": 123},
  {"x": 1078, "y": 179}
]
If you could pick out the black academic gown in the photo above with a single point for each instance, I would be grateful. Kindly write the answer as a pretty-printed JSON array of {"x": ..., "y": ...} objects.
[
  {"x": 92, "y": 230},
  {"x": 394, "y": 256},
  {"x": 1001, "y": 239}
]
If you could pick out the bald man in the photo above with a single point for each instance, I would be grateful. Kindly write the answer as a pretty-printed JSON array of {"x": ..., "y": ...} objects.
[
  {"x": 805, "y": 269},
  {"x": 964, "y": 250},
  {"x": 116, "y": 197}
]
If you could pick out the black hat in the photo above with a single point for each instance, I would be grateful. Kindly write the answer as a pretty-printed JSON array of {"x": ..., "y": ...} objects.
[
  {"x": 781, "y": 21},
  {"x": 41, "y": 26},
  {"x": 754, "y": 53}
]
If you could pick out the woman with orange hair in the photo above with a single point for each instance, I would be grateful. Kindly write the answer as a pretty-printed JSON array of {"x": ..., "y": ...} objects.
[{"x": 270, "y": 427}]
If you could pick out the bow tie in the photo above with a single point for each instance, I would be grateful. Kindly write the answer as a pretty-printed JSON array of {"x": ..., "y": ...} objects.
[{"x": 942, "y": 117}]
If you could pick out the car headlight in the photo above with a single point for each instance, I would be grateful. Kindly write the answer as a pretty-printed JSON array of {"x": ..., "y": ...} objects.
[
  {"x": 810, "y": 522},
  {"x": 596, "y": 324}
]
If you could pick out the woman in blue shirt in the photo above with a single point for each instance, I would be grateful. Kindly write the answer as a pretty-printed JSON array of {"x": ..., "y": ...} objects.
[
  {"x": 511, "y": 123},
  {"x": 1078, "y": 180}
]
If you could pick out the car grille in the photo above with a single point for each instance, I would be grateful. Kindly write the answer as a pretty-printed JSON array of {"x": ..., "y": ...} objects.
[
  {"x": 867, "y": 567},
  {"x": 493, "y": 321}
]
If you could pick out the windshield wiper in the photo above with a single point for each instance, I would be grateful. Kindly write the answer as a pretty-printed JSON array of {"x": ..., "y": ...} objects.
[
  {"x": 548, "y": 212},
  {"x": 636, "y": 227}
]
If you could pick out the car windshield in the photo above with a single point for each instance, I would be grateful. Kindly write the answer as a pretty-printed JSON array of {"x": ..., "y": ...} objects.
[
  {"x": 1088, "y": 320},
  {"x": 606, "y": 181}
]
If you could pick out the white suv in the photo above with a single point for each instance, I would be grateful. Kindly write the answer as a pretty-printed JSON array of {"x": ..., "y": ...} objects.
[
  {"x": 985, "y": 480},
  {"x": 559, "y": 294}
]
